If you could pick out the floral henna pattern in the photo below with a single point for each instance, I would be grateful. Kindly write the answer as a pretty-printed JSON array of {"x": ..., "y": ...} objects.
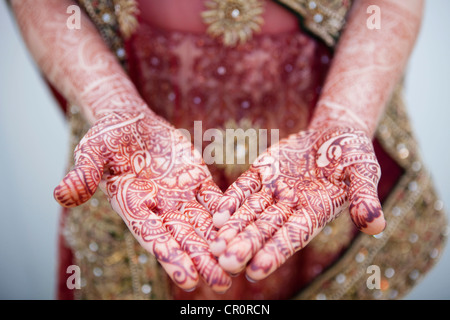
[
  {"x": 77, "y": 62},
  {"x": 158, "y": 184},
  {"x": 164, "y": 193},
  {"x": 368, "y": 64},
  {"x": 317, "y": 173},
  {"x": 149, "y": 171},
  {"x": 279, "y": 208}
]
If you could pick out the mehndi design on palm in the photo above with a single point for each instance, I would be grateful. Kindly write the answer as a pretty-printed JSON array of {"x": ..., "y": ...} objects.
[
  {"x": 159, "y": 185},
  {"x": 291, "y": 192}
]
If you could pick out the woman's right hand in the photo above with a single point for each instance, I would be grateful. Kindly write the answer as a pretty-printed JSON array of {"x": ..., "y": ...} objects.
[{"x": 158, "y": 183}]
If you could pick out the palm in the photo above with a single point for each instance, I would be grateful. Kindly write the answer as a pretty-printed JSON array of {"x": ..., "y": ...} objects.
[
  {"x": 158, "y": 184},
  {"x": 291, "y": 192}
]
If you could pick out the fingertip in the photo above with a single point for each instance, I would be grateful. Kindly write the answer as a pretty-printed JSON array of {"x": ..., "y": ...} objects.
[
  {"x": 64, "y": 196},
  {"x": 249, "y": 279},
  {"x": 255, "y": 274},
  {"x": 189, "y": 289},
  {"x": 230, "y": 263},
  {"x": 218, "y": 246},
  {"x": 220, "y": 218},
  {"x": 209, "y": 196},
  {"x": 176, "y": 262},
  {"x": 375, "y": 227},
  {"x": 222, "y": 286},
  {"x": 220, "y": 290},
  {"x": 367, "y": 214},
  {"x": 262, "y": 265},
  {"x": 77, "y": 187},
  {"x": 189, "y": 284},
  {"x": 56, "y": 192},
  {"x": 225, "y": 207}
]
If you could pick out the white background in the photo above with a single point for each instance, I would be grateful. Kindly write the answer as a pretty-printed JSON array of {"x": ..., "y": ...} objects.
[{"x": 34, "y": 150}]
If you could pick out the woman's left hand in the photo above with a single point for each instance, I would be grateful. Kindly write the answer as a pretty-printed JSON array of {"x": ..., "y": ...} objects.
[{"x": 291, "y": 192}]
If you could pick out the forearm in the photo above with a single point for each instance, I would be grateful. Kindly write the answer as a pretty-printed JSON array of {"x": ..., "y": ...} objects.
[
  {"x": 76, "y": 62},
  {"x": 368, "y": 65}
]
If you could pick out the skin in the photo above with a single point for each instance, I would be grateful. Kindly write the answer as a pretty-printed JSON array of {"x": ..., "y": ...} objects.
[
  {"x": 293, "y": 190},
  {"x": 159, "y": 184},
  {"x": 153, "y": 177}
]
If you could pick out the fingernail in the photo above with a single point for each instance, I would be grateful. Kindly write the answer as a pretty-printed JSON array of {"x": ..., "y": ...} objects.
[
  {"x": 189, "y": 290},
  {"x": 249, "y": 279},
  {"x": 221, "y": 292}
]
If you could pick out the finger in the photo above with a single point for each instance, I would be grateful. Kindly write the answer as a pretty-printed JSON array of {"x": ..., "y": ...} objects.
[
  {"x": 82, "y": 181},
  {"x": 209, "y": 195},
  {"x": 242, "y": 248},
  {"x": 247, "y": 213},
  {"x": 322, "y": 198},
  {"x": 182, "y": 231},
  {"x": 319, "y": 202},
  {"x": 293, "y": 236},
  {"x": 200, "y": 219},
  {"x": 156, "y": 239},
  {"x": 248, "y": 183},
  {"x": 365, "y": 207},
  {"x": 133, "y": 199}
]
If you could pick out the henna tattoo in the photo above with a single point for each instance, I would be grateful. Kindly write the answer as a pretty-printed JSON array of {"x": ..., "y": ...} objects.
[
  {"x": 320, "y": 173},
  {"x": 166, "y": 203},
  {"x": 77, "y": 62},
  {"x": 149, "y": 171},
  {"x": 367, "y": 65},
  {"x": 154, "y": 191}
]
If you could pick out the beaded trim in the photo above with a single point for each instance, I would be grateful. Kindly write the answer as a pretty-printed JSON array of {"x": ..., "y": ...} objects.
[{"x": 116, "y": 20}]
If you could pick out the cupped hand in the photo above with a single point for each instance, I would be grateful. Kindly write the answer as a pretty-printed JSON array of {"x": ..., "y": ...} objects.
[
  {"x": 291, "y": 192},
  {"x": 158, "y": 183}
]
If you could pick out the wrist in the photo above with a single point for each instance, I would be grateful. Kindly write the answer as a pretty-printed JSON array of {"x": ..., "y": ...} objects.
[
  {"x": 329, "y": 114},
  {"x": 112, "y": 94}
]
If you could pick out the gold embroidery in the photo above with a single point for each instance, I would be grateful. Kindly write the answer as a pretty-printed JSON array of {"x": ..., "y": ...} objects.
[
  {"x": 115, "y": 19},
  {"x": 324, "y": 18},
  {"x": 126, "y": 12},
  {"x": 233, "y": 20}
]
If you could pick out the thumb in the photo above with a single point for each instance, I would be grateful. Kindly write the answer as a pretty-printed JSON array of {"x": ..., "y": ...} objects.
[
  {"x": 82, "y": 181},
  {"x": 365, "y": 207}
]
